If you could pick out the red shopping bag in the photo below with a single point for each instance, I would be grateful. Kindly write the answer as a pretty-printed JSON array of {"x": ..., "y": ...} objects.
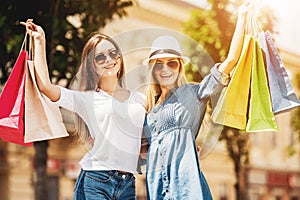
[{"x": 12, "y": 104}]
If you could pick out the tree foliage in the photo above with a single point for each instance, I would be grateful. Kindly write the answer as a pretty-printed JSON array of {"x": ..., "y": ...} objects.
[
  {"x": 295, "y": 119},
  {"x": 213, "y": 29},
  {"x": 64, "y": 36}
]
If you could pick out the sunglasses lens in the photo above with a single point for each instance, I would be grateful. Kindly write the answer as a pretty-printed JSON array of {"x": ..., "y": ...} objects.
[
  {"x": 158, "y": 66},
  {"x": 172, "y": 64},
  {"x": 100, "y": 59},
  {"x": 114, "y": 54}
]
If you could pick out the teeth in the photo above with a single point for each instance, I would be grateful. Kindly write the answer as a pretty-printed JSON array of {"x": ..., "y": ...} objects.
[
  {"x": 109, "y": 66},
  {"x": 166, "y": 76}
]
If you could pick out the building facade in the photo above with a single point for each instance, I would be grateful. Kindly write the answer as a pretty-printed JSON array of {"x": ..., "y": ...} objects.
[{"x": 271, "y": 175}]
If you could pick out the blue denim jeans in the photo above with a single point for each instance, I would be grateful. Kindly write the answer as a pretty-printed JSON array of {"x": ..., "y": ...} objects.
[{"x": 108, "y": 185}]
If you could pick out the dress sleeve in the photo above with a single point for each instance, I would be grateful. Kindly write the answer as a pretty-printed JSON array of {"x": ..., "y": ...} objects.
[{"x": 212, "y": 84}]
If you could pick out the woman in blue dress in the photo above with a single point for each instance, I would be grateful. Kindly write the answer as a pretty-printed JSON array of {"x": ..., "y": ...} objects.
[{"x": 174, "y": 115}]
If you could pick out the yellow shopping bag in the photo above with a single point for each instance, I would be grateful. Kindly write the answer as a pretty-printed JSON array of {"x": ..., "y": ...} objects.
[{"x": 232, "y": 106}]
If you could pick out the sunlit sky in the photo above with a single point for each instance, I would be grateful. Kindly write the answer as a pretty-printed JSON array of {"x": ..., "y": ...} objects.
[{"x": 288, "y": 17}]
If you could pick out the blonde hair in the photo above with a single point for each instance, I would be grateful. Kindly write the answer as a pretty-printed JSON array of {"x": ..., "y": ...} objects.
[
  {"x": 154, "y": 91},
  {"x": 88, "y": 80}
]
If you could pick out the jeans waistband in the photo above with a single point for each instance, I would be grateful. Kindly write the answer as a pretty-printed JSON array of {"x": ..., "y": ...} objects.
[
  {"x": 122, "y": 174},
  {"x": 114, "y": 173}
]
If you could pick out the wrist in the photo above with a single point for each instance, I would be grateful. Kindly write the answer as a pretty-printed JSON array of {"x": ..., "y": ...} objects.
[{"x": 39, "y": 40}]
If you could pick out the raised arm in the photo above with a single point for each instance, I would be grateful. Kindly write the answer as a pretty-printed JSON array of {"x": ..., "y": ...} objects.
[
  {"x": 237, "y": 40},
  {"x": 42, "y": 75}
]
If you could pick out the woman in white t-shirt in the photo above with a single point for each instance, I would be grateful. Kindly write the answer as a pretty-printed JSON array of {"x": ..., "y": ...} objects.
[{"x": 109, "y": 117}]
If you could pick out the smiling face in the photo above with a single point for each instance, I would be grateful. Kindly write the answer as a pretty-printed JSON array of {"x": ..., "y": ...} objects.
[
  {"x": 166, "y": 71},
  {"x": 107, "y": 59}
]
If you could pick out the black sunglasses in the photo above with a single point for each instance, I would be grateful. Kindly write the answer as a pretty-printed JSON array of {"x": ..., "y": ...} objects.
[
  {"x": 101, "y": 58},
  {"x": 158, "y": 66}
]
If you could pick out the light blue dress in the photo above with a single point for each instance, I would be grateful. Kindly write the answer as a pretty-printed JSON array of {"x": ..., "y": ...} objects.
[{"x": 173, "y": 166}]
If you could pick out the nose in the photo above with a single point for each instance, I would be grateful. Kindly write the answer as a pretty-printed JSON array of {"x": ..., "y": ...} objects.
[
  {"x": 165, "y": 67},
  {"x": 108, "y": 59}
]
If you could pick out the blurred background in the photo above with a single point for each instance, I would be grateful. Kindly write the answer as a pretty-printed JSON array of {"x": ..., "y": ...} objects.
[{"x": 254, "y": 166}]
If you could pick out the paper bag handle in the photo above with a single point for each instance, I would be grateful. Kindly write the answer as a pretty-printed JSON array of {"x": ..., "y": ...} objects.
[
  {"x": 253, "y": 26},
  {"x": 24, "y": 44}
]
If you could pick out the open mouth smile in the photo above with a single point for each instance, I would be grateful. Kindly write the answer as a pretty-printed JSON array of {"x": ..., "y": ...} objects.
[
  {"x": 166, "y": 75},
  {"x": 110, "y": 66}
]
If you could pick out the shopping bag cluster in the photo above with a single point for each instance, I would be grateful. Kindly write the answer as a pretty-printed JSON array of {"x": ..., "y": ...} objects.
[
  {"x": 26, "y": 115},
  {"x": 259, "y": 87}
]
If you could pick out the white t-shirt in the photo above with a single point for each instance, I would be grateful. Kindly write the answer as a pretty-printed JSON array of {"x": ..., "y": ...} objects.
[{"x": 115, "y": 126}]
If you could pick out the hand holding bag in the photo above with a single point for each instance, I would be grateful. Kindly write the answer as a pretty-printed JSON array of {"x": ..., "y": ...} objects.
[
  {"x": 255, "y": 114},
  {"x": 12, "y": 102},
  {"x": 43, "y": 119},
  {"x": 260, "y": 115}
]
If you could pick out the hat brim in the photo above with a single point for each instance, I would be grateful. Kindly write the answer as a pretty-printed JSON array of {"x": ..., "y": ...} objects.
[{"x": 166, "y": 55}]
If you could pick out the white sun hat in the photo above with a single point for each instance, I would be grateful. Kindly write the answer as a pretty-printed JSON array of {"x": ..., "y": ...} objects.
[{"x": 165, "y": 47}]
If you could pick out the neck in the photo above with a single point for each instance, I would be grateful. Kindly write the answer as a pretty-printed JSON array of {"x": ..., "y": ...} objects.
[
  {"x": 164, "y": 92},
  {"x": 109, "y": 83}
]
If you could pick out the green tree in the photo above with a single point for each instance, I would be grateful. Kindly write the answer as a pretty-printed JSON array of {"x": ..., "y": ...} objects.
[
  {"x": 213, "y": 30},
  {"x": 295, "y": 122},
  {"x": 65, "y": 40}
]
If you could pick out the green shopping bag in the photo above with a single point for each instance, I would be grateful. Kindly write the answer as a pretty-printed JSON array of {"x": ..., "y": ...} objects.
[
  {"x": 232, "y": 106},
  {"x": 260, "y": 115}
]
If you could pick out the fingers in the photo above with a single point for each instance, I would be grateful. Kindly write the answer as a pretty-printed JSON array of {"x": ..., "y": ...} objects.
[
  {"x": 30, "y": 26},
  {"x": 248, "y": 4},
  {"x": 245, "y": 7}
]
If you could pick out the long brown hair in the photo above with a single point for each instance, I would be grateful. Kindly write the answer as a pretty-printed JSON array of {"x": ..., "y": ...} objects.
[
  {"x": 154, "y": 91},
  {"x": 87, "y": 79}
]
